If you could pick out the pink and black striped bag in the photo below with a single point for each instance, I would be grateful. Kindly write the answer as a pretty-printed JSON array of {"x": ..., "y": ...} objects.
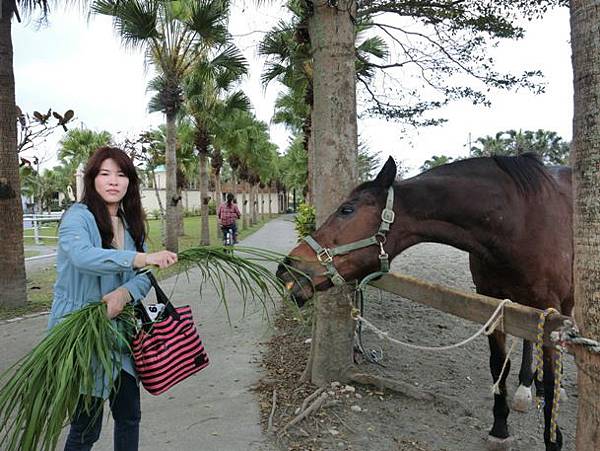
[{"x": 169, "y": 349}]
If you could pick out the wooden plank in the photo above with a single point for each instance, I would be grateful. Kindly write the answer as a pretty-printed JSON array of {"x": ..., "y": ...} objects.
[{"x": 519, "y": 320}]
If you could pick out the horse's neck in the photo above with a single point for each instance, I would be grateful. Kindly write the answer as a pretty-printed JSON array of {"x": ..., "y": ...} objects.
[{"x": 449, "y": 211}]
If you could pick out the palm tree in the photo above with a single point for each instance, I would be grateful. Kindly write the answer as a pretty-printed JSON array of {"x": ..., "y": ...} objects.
[
  {"x": 174, "y": 35},
  {"x": 209, "y": 95},
  {"x": 12, "y": 279},
  {"x": 435, "y": 161},
  {"x": 290, "y": 61},
  {"x": 77, "y": 146}
]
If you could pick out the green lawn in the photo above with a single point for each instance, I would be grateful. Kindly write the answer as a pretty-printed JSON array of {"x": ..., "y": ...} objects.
[{"x": 40, "y": 284}]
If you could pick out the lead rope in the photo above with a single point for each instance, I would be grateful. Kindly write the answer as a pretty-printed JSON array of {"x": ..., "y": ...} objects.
[
  {"x": 539, "y": 368},
  {"x": 372, "y": 356}
]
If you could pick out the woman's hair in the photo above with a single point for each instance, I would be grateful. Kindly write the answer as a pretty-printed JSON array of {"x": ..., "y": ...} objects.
[
  {"x": 131, "y": 205},
  {"x": 229, "y": 199}
]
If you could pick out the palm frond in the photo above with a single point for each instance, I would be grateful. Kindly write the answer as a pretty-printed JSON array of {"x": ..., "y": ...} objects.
[
  {"x": 39, "y": 394},
  {"x": 135, "y": 21},
  {"x": 231, "y": 60},
  {"x": 208, "y": 19},
  {"x": 244, "y": 270}
]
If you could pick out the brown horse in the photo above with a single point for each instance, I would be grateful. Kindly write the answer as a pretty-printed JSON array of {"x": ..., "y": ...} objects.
[{"x": 511, "y": 214}]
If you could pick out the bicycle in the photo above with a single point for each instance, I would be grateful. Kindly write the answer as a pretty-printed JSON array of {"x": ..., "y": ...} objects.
[{"x": 228, "y": 238}]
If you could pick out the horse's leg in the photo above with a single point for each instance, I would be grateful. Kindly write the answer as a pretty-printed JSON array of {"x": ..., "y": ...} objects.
[
  {"x": 549, "y": 355},
  {"x": 522, "y": 399},
  {"x": 499, "y": 437}
]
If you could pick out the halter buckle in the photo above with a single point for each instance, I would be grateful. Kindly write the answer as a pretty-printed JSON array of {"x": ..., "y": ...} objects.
[
  {"x": 388, "y": 215},
  {"x": 324, "y": 256}
]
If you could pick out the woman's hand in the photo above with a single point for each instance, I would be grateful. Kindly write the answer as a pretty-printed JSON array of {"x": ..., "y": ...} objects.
[
  {"x": 115, "y": 301},
  {"x": 162, "y": 259}
]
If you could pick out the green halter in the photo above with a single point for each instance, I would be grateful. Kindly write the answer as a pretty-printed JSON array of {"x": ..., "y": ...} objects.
[{"x": 325, "y": 255}]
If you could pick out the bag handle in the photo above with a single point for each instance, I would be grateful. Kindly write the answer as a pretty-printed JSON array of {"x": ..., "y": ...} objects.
[{"x": 161, "y": 298}]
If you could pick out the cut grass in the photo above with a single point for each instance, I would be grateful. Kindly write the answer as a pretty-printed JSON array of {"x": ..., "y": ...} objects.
[{"x": 40, "y": 284}]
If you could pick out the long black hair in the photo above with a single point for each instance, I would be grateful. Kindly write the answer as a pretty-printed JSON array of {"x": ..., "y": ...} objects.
[{"x": 131, "y": 205}]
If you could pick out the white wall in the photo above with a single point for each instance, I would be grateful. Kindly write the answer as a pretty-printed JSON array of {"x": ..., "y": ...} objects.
[{"x": 191, "y": 200}]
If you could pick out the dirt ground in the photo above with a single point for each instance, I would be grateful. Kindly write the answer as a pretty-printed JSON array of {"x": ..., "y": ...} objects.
[{"x": 458, "y": 415}]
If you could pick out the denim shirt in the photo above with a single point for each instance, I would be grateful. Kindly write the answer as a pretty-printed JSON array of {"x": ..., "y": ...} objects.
[{"x": 85, "y": 272}]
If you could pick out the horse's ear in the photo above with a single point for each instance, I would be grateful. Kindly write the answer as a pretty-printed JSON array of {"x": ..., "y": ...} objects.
[{"x": 387, "y": 174}]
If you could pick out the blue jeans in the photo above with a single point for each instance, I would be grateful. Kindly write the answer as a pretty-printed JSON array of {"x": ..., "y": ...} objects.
[
  {"x": 125, "y": 408},
  {"x": 233, "y": 228}
]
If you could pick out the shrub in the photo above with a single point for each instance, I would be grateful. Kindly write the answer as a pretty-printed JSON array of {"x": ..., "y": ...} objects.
[
  {"x": 305, "y": 220},
  {"x": 212, "y": 207}
]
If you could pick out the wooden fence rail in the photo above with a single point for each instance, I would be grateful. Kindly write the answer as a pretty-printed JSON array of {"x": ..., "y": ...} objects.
[{"x": 519, "y": 320}]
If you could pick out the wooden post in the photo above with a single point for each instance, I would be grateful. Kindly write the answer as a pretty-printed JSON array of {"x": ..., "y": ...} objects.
[{"x": 36, "y": 230}]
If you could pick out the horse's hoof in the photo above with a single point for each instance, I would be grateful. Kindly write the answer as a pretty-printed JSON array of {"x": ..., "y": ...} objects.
[
  {"x": 500, "y": 444},
  {"x": 522, "y": 399}
]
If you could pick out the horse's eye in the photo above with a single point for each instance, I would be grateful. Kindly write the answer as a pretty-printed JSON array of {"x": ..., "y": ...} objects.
[{"x": 346, "y": 209}]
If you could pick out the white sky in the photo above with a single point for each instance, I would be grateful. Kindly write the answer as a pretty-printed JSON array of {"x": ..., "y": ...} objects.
[{"x": 81, "y": 65}]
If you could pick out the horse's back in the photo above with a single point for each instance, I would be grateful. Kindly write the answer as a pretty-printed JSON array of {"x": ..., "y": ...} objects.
[{"x": 536, "y": 266}]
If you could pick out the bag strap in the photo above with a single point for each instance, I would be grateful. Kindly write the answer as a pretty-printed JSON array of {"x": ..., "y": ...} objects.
[{"x": 161, "y": 298}]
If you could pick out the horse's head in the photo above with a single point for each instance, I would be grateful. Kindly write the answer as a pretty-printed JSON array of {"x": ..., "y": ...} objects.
[{"x": 349, "y": 244}]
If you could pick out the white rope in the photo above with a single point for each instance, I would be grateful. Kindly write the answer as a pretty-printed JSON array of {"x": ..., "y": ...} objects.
[
  {"x": 487, "y": 329},
  {"x": 496, "y": 386}
]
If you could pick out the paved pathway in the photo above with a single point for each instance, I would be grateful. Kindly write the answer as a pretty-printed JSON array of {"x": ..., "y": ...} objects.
[
  {"x": 45, "y": 258},
  {"x": 216, "y": 409}
]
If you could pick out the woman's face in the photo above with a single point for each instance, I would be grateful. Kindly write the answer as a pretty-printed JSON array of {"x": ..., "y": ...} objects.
[{"x": 111, "y": 183}]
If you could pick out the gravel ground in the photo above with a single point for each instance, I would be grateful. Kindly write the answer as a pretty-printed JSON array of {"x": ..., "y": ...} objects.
[{"x": 460, "y": 414}]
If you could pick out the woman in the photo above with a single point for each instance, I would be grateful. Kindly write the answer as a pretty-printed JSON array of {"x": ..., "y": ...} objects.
[
  {"x": 100, "y": 246},
  {"x": 227, "y": 213}
]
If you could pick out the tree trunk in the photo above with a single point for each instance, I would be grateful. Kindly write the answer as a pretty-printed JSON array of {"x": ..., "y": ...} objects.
[
  {"x": 12, "y": 278},
  {"x": 244, "y": 209},
  {"x": 172, "y": 200},
  {"x": 270, "y": 201},
  {"x": 218, "y": 200},
  {"x": 262, "y": 204},
  {"x": 254, "y": 196},
  {"x": 204, "y": 230},
  {"x": 180, "y": 215},
  {"x": 585, "y": 158},
  {"x": 160, "y": 208},
  {"x": 334, "y": 135}
]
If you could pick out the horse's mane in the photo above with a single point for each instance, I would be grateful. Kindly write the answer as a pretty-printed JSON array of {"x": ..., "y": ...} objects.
[{"x": 527, "y": 171}]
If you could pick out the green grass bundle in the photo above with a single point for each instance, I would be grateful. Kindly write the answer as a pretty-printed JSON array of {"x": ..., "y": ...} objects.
[
  {"x": 246, "y": 269},
  {"x": 39, "y": 394}
]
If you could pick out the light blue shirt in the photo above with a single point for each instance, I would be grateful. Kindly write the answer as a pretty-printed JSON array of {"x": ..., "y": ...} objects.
[{"x": 85, "y": 272}]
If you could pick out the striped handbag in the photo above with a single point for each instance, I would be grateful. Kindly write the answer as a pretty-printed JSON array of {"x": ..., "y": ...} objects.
[{"x": 168, "y": 349}]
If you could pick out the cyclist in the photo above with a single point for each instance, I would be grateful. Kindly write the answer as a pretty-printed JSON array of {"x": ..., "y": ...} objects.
[{"x": 227, "y": 214}]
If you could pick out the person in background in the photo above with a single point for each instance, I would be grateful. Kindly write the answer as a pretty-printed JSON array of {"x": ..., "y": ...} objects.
[
  {"x": 227, "y": 214},
  {"x": 101, "y": 243}
]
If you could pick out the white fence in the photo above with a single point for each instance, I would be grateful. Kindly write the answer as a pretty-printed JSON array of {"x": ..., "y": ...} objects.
[{"x": 38, "y": 223}]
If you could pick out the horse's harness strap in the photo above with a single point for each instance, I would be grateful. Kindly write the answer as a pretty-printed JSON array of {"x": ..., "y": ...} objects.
[{"x": 325, "y": 255}]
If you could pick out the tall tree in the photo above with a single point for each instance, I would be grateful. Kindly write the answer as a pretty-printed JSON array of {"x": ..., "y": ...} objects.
[
  {"x": 290, "y": 61},
  {"x": 210, "y": 93},
  {"x": 12, "y": 279},
  {"x": 548, "y": 144},
  {"x": 435, "y": 161},
  {"x": 79, "y": 144},
  {"x": 173, "y": 34},
  {"x": 585, "y": 17},
  {"x": 334, "y": 128}
]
